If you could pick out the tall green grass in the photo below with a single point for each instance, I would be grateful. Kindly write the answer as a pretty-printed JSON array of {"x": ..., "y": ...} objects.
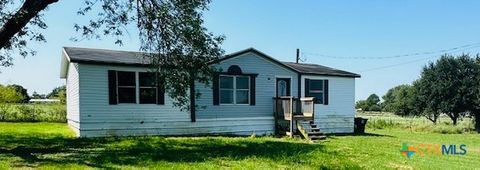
[
  {"x": 385, "y": 120},
  {"x": 54, "y": 146},
  {"x": 33, "y": 113}
]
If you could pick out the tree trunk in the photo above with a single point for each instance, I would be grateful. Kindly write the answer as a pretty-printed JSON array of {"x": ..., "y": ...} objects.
[
  {"x": 193, "y": 107},
  {"x": 20, "y": 19},
  {"x": 433, "y": 117},
  {"x": 454, "y": 117},
  {"x": 477, "y": 121},
  {"x": 455, "y": 120}
]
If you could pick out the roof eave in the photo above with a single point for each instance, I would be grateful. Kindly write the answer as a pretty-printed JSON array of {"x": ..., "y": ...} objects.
[
  {"x": 109, "y": 63},
  {"x": 332, "y": 75},
  {"x": 64, "y": 64}
]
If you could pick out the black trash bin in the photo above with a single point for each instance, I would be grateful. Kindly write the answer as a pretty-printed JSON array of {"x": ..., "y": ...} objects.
[{"x": 360, "y": 124}]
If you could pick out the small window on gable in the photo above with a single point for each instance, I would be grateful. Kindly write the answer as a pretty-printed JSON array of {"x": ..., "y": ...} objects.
[
  {"x": 148, "y": 88},
  {"x": 126, "y": 87}
]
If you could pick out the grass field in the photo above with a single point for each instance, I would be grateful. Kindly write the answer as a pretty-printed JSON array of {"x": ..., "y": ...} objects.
[
  {"x": 53, "y": 112},
  {"x": 444, "y": 125},
  {"x": 53, "y": 145}
]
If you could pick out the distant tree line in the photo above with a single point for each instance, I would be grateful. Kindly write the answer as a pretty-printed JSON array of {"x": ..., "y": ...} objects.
[
  {"x": 449, "y": 86},
  {"x": 372, "y": 103},
  {"x": 18, "y": 94}
]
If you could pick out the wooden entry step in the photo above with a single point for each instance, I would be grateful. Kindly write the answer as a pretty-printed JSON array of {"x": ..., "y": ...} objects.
[{"x": 310, "y": 131}]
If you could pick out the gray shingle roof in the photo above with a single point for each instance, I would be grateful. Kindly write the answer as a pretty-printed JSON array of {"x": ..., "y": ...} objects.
[
  {"x": 102, "y": 56},
  {"x": 316, "y": 69},
  {"x": 86, "y": 55}
]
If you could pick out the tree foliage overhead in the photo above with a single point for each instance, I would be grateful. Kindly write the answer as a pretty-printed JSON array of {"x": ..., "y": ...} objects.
[
  {"x": 20, "y": 22},
  {"x": 173, "y": 38},
  {"x": 171, "y": 32}
]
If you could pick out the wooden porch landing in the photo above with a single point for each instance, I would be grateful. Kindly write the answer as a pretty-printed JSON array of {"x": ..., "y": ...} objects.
[{"x": 295, "y": 116}]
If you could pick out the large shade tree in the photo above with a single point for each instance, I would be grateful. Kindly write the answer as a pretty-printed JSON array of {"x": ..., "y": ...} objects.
[
  {"x": 475, "y": 107},
  {"x": 450, "y": 86},
  {"x": 426, "y": 101},
  {"x": 175, "y": 42},
  {"x": 373, "y": 102},
  {"x": 8, "y": 94},
  {"x": 22, "y": 91},
  {"x": 399, "y": 100}
]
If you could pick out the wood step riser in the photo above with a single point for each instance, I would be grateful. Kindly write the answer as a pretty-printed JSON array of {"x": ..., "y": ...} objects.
[
  {"x": 312, "y": 131},
  {"x": 322, "y": 138},
  {"x": 315, "y": 133}
]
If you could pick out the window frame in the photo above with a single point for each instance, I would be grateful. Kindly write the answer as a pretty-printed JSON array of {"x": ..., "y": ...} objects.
[
  {"x": 140, "y": 87},
  {"x": 129, "y": 87},
  {"x": 234, "y": 90},
  {"x": 247, "y": 89},
  {"x": 137, "y": 88},
  {"x": 322, "y": 92}
]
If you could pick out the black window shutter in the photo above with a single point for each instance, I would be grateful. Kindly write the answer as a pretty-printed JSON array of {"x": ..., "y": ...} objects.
[
  {"x": 252, "y": 90},
  {"x": 307, "y": 87},
  {"x": 216, "y": 90},
  {"x": 325, "y": 94},
  {"x": 160, "y": 93},
  {"x": 112, "y": 86}
]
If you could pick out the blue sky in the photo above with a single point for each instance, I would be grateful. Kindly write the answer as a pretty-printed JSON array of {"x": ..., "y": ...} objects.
[{"x": 337, "y": 28}]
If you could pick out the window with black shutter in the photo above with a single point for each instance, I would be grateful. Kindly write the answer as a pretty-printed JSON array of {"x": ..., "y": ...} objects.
[
  {"x": 234, "y": 87},
  {"x": 317, "y": 89},
  {"x": 123, "y": 88},
  {"x": 126, "y": 87},
  {"x": 147, "y": 88},
  {"x": 112, "y": 87}
]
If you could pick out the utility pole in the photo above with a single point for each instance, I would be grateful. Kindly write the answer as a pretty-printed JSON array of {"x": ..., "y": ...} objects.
[{"x": 298, "y": 55}]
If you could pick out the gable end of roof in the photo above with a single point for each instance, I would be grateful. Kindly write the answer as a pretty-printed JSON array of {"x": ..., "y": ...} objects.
[{"x": 259, "y": 53}]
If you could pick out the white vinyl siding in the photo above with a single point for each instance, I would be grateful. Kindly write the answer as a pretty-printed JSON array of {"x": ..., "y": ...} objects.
[
  {"x": 98, "y": 115},
  {"x": 339, "y": 114},
  {"x": 99, "y": 118},
  {"x": 265, "y": 89},
  {"x": 73, "y": 99}
]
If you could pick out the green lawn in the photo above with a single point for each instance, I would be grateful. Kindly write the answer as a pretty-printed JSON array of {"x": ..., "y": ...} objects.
[{"x": 52, "y": 145}]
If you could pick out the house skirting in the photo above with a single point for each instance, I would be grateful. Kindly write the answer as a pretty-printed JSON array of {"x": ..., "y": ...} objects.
[{"x": 220, "y": 126}]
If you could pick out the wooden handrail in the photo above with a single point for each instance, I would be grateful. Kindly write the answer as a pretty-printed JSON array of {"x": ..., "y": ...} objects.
[{"x": 292, "y": 109}]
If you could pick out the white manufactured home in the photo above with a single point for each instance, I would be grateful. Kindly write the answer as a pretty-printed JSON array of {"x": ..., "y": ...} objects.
[{"x": 109, "y": 94}]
